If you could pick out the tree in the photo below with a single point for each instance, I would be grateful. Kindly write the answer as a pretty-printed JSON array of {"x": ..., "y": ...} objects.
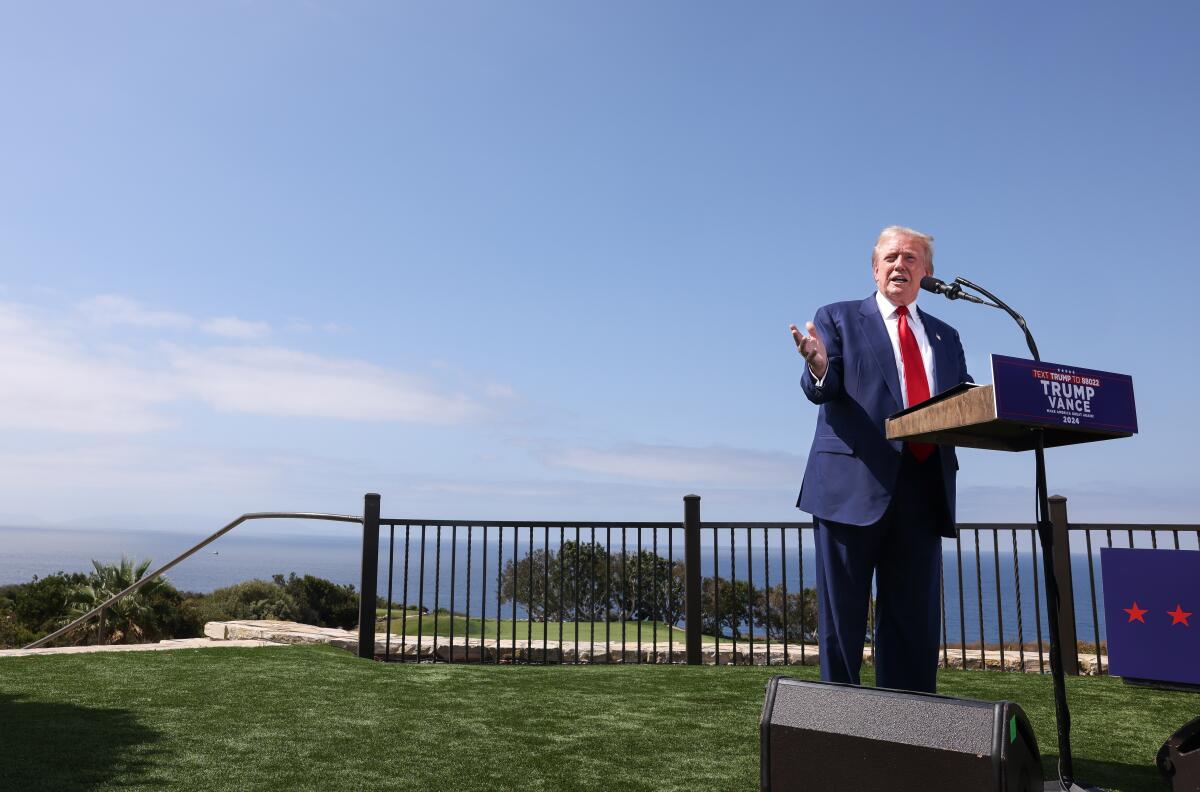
[
  {"x": 550, "y": 585},
  {"x": 673, "y": 603},
  {"x": 131, "y": 619},
  {"x": 801, "y": 613},
  {"x": 523, "y": 581},
  {"x": 645, "y": 585},
  {"x": 731, "y": 613},
  {"x": 585, "y": 594}
]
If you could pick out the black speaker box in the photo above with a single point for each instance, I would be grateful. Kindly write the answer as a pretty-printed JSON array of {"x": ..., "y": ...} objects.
[
  {"x": 829, "y": 737},
  {"x": 1179, "y": 758}
]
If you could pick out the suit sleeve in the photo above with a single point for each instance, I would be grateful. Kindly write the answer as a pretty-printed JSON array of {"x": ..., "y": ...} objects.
[{"x": 831, "y": 384}]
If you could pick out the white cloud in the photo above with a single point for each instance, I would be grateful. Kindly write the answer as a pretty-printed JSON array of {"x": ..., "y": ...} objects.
[
  {"x": 277, "y": 381},
  {"x": 499, "y": 391},
  {"x": 480, "y": 495},
  {"x": 232, "y": 327},
  {"x": 53, "y": 382},
  {"x": 329, "y": 328},
  {"x": 714, "y": 465},
  {"x": 66, "y": 378},
  {"x": 111, "y": 309},
  {"x": 1087, "y": 501},
  {"x": 115, "y": 310},
  {"x": 94, "y": 482},
  {"x": 97, "y": 468}
]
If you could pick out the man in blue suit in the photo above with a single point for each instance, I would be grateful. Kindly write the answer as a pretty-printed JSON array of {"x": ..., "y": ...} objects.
[{"x": 880, "y": 507}]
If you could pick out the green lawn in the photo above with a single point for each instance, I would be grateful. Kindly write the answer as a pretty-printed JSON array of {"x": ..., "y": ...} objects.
[
  {"x": 587, "y": 630},
  {"x": 317, "y": 718}
]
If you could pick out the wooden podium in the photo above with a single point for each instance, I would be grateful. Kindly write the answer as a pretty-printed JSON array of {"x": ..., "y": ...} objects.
[
  {"x": 1032, "y": 405},
  {"x": 967, "y": 416}
]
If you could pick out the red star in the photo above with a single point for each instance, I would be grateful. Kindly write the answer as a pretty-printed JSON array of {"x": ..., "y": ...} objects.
[
  {"x": 1179, "y": 616},
  {"x": 1136, "y": 613}
]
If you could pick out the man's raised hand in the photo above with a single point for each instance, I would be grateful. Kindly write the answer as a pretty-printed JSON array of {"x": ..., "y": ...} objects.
[{"x": 812, "y": 348}]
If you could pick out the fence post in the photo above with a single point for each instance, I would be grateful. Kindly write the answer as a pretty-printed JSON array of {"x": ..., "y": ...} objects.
[
  {"x": 368, "y": 576},
  {"x": 1068, "y": 646},
  {"x": 691, "y": 575}
]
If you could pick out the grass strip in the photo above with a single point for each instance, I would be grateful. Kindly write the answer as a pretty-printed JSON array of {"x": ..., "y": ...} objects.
[
  {"x": 318, "y": 718},
  {"x": 588, "y": 631}
]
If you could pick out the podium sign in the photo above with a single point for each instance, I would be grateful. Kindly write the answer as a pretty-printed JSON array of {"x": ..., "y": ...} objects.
[
  {"x": 1034, "y": 406},
  {"x": 1064, "y": 404},
  {"x": 1152, "y": 613},
  {"x": 1051, "y": 394}
]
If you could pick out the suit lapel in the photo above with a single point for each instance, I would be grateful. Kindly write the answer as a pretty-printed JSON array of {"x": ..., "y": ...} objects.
[
  {"x": 943, "y": 366},
  {"x": 881, "y": 346}
]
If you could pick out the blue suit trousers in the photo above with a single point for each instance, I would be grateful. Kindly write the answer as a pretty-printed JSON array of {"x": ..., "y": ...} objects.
[{"x": 903, "y": 551}]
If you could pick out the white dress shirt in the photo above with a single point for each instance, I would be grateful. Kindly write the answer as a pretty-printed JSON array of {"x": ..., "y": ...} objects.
[{"x": 891, "y": 320}]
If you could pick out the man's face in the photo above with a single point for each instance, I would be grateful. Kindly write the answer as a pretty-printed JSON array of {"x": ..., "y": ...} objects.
[{"x": 900, "y": 263}]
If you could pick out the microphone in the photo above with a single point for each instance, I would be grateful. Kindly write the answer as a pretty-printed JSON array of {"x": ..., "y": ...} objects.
[{"x": 951, "y": 291}]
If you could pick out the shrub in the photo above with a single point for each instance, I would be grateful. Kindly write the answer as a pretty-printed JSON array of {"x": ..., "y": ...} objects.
[
  {"x": 250, "y": 599},
  {"x": 177, "y": 613},
  {"x": 13, "y": 634},
  {"x": 40, "y": 604},
  {"x": 159, "y": 610},
  {"x": 135, "y": 618},
  {"x": 321, "y": 602},
  {"x": 307, "y": 599}
]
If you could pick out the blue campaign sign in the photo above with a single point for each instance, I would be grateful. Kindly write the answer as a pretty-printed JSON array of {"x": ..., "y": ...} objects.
[
  {"x": 1068, "y": 397},
  {"x": 1152, "y": 613}
]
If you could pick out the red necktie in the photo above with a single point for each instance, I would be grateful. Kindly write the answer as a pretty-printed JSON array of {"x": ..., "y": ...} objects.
[{"x": 914, "y": 377}]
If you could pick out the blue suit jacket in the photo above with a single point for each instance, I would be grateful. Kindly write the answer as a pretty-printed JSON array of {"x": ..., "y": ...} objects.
[{"x": 852, "y": 467}]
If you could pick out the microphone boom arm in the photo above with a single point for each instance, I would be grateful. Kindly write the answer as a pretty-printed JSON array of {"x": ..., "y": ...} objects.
[
  {"x": 1062, "y": 712},
  {"x": 996, "y": 302}
]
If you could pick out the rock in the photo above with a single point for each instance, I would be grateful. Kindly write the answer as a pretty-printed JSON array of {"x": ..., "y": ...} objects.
[
  {"x": 459, "y": 653},
  {"x": 537, "y": 655}
]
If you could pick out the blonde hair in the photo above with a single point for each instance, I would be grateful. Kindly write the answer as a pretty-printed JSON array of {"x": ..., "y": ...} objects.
[{"x": 895, "y": 230}]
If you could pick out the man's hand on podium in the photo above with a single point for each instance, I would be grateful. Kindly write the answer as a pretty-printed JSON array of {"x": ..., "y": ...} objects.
[{"x": 812, "y": 348}]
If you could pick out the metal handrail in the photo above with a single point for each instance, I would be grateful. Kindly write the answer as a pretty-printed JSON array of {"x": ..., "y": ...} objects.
[
  {"x": 402, "y": 521},
  {"x": 156, "y": 573}
]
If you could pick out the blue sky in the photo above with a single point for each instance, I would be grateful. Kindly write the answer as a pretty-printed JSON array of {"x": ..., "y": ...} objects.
[{"x": 539, "y": 259}]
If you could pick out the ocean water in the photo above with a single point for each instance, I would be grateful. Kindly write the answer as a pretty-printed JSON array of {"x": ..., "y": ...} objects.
[
  {"x": 456, "y": 564},
  {"x": 25, "y": 552}
]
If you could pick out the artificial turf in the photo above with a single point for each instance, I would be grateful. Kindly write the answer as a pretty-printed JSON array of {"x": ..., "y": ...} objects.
[
  {"x": 442, "y": 623},
  {"x": 318, "y": 718}
]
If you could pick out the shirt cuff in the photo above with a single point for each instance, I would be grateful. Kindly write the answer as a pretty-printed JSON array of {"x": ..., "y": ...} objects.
[{"x": 817, "y": 381}]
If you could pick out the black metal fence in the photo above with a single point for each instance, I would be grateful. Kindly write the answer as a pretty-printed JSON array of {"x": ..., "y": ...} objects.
[
  {"x": 525, "y": 592},
  {"x": 742, "y": 592}
]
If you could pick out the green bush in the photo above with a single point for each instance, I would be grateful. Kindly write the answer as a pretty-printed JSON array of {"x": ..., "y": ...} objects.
[
  {"x": 30, "y": 610},
  {"x": 177, "y": 613},
  {"x": 40, "y": 604},
  {"x": 136, "y": 617},
  {"x": 307, "y": 599},
  {"x": 13, "y": 634},
  {"x": 322, "y": 602},
  {"x": 250, "y": 599}
]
